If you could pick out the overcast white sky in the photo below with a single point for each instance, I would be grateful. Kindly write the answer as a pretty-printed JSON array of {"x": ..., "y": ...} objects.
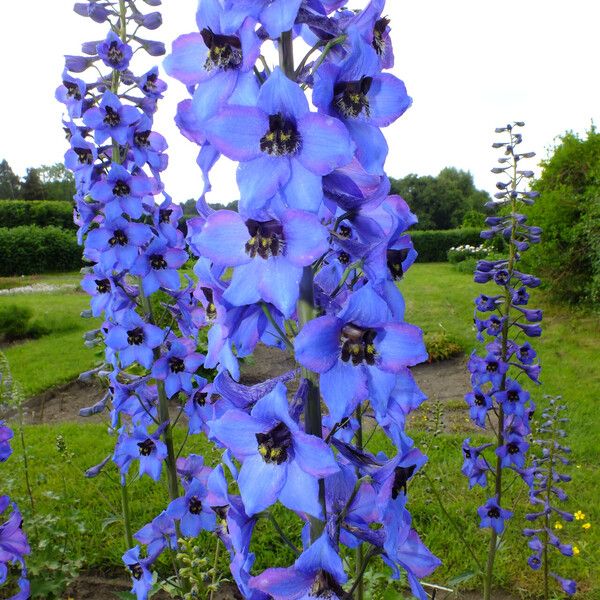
[{"x": 469, "y": 65}]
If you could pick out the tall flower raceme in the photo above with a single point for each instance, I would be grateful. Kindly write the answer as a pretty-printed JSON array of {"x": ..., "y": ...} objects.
[
  {"x": 547, "y": 491},
  {"x": 129, "y": 228},
  {"x": 308, "y": 265},
  {"x": 499, "y": 400},
  {"x": 13, "y": 541}
]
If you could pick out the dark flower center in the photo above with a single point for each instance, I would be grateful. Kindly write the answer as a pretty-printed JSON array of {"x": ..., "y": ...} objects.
[
  {"x": 164, "y": 215},
  {"x": 72, "y": 90},
  {"x": 513, "y": 448},
  {"x": 401, "y": 477},
  {"x": 211, "y": 309},
  {"x": 150, "y": 84},
  {"x": 84, "y": 155},
  {"x": 479, "y": 399},
  {"x": 350, "y": 97},
  {"x": 221, "y": 513},
  {"x": 344, "y": 258},
  {"x": 378, "y": 33},
  {"x": 325, "y": 586},
  {"x": 513, "y": 396},
  {"x": 176, "y": 365},
  {"x": 111, "y": 118},
  {"x": 136, "y": 571},
  {"x": 121, "y": 188},
  {"x": 395, "y": 258},
  {"x": 118, "y": 238},
  {"x": 357, "y": 344},
  {"x": 195, "y": 505},
  {"x": 345, "y": 231},
  {"x": 141, "y": 138},
  {"x": 494, "y": 513},
  {"x": 492, "y": 367},
  {"x": 501, "y": 277},
  {"x": 102, "y": 286},
  {"x": 282, "y": 138},
  {"x": 115, "y": 54},
  {"x": 200, "y": 398},
  {"x": 135, "y": 337},
  {"x": 467, "y": 453},
  {"x": 146, "y": 447},
  {"x": 266, "y": 238},
  {"x": 273, "y": 445},
  {"x": 157, "y": 261},
  {"x": 224, "y": 51}
]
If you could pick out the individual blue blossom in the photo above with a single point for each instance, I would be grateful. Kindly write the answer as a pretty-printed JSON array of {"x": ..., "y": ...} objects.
[
  {"x": 149, "y": 449},
  {"x": 151, "y": 85},
  {"x": 147, "y": 146},
  {"x": 134, "y": 339},
  {"x": 568, "y": 585},
  {"x": 282, "y": 146},
  {"x": 157, "y": 266},
  {"x": 111, "y": 119},
  {"x": 317, "y": 572},
  {"x": 513, "y": 399},
  {"x": 279, "y": 461},
  {"x": 480, "y": 404},
  {"x": 72, "y": 93},
  {"x": 192, "y": 510},
  {"x": 475, "y": 467},
  {"x": 159, "y": 534},
  {"x": 13, "y": 541},
  {"x": 141, "y": 576},
  {"x": 115, "y": 53},
  {"x": 492, "y": 515},
  {"x": 177, "y": 367},
  {"x": 512, "y": 452},
  {"x": 268, "y": 255}
]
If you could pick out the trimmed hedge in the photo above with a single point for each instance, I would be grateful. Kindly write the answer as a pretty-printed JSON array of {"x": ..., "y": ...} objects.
[
  {"x": 14, "y": 213},
  {"x": 29, "y": 250},
  {"x": 433, "y": 246}
]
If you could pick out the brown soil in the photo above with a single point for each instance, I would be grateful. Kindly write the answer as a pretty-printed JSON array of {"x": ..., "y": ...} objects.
[{"x": 445, "y": 384}]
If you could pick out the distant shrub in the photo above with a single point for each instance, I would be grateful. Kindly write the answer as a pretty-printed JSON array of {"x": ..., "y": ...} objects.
[
  {"x": 433, "y": 246},
  {"x": 458, "y": 254},
  {"x": 16, "y": 323},
  {"x": 14, "y": 213},
  {"x": 27, "y": 250},
  {"x": 441, "y": 346}
]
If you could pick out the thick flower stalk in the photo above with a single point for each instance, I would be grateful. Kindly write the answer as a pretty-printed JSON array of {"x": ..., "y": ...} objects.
[
  {"x": 499, "y": 401},
  {"x": 546, "y": 493},
  {"x": 308, "y": 265}
]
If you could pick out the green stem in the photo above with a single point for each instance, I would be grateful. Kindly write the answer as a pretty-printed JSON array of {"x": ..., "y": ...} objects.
[
  {"x": 360, "y": 557},
  {"x": 283, "y": 535},
  {"x": 126, "y": 514},
  {"x": 215, "y": 569},
  {"x": 280, "y": 332},
  {"x": 487, "y": 587},
  {"x": 25, "y": 461},
  {"x": 306, "y": 312}
]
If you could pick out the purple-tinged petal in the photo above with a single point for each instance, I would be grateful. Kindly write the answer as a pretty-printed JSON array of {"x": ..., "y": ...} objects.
[
  {"x": 305, "y": 237},
  {"x": 313, "y": 455},
  {"x": 223, "y": 238},
  {"x": 260, "y": 483},
  {"x": 317, "y": 346},
  {"x": 237, "y": 431},
  {"x": 400, "y": 345}
]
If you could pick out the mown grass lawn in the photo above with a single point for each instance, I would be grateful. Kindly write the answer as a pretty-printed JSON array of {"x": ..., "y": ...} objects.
[{"x": 437, "y": 297}]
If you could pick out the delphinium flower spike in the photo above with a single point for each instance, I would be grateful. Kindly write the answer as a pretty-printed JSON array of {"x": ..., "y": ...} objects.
[
  {"x": 499, "y": 400},
  {"x": 546, "y": 492},
  {"x": 309, "y": 264}
]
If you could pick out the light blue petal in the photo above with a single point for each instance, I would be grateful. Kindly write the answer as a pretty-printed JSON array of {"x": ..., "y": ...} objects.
[{"x": 260, "y": 483}]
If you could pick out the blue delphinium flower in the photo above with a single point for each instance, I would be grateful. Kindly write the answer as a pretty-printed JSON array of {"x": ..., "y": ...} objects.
[
  {"x": 111, "y": 119},
  {"x": 492, "y": 515},
  {"x": 141, "y": 575},
  {"x": 6, "y": 434},
  {"x": 140, "y": 445},
  {"x": 192, "y": 510},
  {"x": 114, "y": 52},
  {"x": 279, "y": 461}
]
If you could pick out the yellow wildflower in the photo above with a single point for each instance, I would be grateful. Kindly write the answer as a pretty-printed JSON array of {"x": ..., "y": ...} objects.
[
  {"x": 575, "y": 550},
  {"x": 579, "y": 516},
  {"x": 586, "y": 525},
  {"x": 558, "y": 525}
]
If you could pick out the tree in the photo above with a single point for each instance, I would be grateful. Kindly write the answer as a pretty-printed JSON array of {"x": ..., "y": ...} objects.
[
  {"x": 441, "y": 202},
  {"x": 58, "y": 182},
  {"x": 32, "y": 187},
  {"x": 568, "y": 211},
  {"x": 10, "y": 184}
]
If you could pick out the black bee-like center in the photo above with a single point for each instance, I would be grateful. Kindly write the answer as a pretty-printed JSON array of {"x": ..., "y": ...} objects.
[
  {"x": 111, "y": 118},
  {"x": 135, "y": 337},
  {"x": 494, "y": 513},
  {"x": 273, "y": 446},
  {"x": 357, "y": 344},
  {"x": 115, "y": 54},
  {"x": 282, "y": 138},
  {"x": 102, "y": 286},
  {"x": 513, "y": 396},
  {"x": 119, "y": 238},
  {"x": 121, "y": 188},
  {"x": 224, "y": 51},
  {"x": 146, "y": 447},
  {"x": 72, "y": 90},
  {"x": 344, "y": 258},
  {"x": 164, "y": 215},
  {"x": 84, "y": 156},
  {"x": 141, "y": 139},
  {"x": 157, "y": 261},
  {"x": 479, "y": 399},
  {"x": 266, "y": 239},
  {"x": 176, "y": 365},
  {"x": 378, "y": 33},
  {"x": 150, "y": 85},
  {"x": 401, "y": 477},
  {"x": 492, "y": 367},
  {"x": 325, "y": 586},
  {"x": 195, "y": 505},
  {"x": 395, "y": 258},
  {"x": 350, "y": 97},
  {"x": 136, "y": 571},
  {"x": 513, "y": 448},
  {"x": 344, "y": 231}
]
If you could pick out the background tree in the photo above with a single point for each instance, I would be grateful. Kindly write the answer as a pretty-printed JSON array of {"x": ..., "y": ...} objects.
[
  {"x": 568, "y": 210},
  {"x": 58, "y": 182},
  {"x": 441, "y": 202},
  {"x": 32, "y": 187},
  {"x": 10, "y": 184}
]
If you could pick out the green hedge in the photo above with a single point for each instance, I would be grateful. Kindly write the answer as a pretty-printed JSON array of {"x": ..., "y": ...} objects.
[
  {"x": 433, "y": 246},
  {"x": 42, "y": 213},
  {"x": 28, "y": 250}
]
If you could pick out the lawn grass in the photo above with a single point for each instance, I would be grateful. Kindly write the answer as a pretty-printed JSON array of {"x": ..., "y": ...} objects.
[{"x": 438, "y": 298}]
